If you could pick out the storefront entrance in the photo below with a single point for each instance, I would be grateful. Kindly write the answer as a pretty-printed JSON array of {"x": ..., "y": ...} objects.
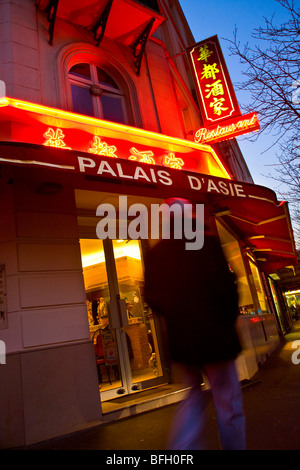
[{"x": 122, "y": 327}]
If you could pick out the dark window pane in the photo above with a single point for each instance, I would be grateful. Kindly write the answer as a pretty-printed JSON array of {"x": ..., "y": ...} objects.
[
  {"x": 112, "y": 109},
  {"x": 82, "y": 101},
  {"x": 103, "y": 77},
  {"x": 151, "y": 4},
  {"x": 81, "y": 70}
]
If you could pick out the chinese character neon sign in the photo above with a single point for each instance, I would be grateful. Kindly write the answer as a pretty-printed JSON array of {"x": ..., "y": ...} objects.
[
  {"x": 173, "y": 162},
  {"x": 55, "y": 138},
  {"x": 204, "y": 53},
  {"x": 145, "y": 156},
  {"x": 101, "y": 148},
  {"x": 221, "y": 115},
  {"x": 216, "y": 94},
  {"x": 29, "y": 123}
]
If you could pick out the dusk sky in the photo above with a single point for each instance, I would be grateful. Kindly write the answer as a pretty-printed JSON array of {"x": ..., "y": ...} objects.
[{"x": 210, "y": 17}]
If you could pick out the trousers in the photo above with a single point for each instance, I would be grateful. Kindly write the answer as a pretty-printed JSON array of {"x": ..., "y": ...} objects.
[{"x": 188, "y": 426}]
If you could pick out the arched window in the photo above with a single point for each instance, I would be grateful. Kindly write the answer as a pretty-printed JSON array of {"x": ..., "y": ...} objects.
[{"x": 95, "y": 93}]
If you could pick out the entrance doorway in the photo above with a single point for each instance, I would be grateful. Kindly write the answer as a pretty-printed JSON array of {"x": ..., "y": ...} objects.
[{"x": 122, "y": 326}]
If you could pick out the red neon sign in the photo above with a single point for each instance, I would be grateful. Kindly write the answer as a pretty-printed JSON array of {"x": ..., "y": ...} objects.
[
  {"x": 55, "y": 128},
  {"x": 216, "y": 94},
  {"x": 254, "y": 320},
  {"x": 55, "y": 138},
  {"x": 99, "y": 147},
  {"x": 227, "y": 129}
]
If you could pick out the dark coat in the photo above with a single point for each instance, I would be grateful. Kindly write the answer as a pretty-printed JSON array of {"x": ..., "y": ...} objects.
[{"x": 196, "y": 293}]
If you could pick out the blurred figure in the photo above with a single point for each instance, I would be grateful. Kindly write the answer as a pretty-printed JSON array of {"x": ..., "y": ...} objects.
[{"x": 196, "y": 293}]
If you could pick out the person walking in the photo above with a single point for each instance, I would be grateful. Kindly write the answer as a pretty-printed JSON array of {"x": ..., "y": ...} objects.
[{"x": 196, "y": 293}]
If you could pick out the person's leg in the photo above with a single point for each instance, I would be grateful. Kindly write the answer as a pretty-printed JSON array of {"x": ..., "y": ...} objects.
[
  {"x": 227, "y": 398},
  {"x": 188, "y": 423}
]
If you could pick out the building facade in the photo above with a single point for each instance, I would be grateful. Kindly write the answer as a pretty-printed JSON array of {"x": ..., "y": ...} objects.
[{"x": 98, "y": 108}]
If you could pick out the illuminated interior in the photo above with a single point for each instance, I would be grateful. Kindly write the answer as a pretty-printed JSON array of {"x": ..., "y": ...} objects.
[
  {"x": 91, "y": 255},
  {"x": 277, "y": 304},
  {"x": 140, "y": 328},
  {"x": 234, "y": 257},
  {"x": 292, "y": 298},
  {"x": 262, "y": 299}
]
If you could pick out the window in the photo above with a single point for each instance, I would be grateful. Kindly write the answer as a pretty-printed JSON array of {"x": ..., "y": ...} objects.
[
  {"x": 234, "y": 257},
  {"x": 262, "y": 298},
  {"x": 151, "y": 4},
  {"x": 95, "y": 93}
]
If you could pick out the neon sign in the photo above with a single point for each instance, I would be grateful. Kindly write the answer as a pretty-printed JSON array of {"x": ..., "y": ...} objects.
[
  {"x": 229, "y": 129},
  {"x": 101, "y": 148},
  {"x": 215, "y": 91},
  {"x": 30, "y": 123},
  {"x": 173, "y": 162},
  {"x": 55, "y": 138},
  {"x": 221, "y": 115},
  {"x": 145, "y": 156}
]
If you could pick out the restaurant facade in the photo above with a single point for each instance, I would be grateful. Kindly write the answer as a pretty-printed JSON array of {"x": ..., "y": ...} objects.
[{"x": 101, "y": 118}]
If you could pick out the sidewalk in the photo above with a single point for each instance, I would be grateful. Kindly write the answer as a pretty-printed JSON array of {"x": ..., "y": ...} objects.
[{"x": 271, "y": 403}]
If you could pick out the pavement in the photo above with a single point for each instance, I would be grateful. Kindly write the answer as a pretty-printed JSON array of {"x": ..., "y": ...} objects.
[{"x": 271, "y": 404}]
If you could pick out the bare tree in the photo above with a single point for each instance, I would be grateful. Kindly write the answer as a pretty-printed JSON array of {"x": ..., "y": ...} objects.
[{"x": 272, "y": 76}]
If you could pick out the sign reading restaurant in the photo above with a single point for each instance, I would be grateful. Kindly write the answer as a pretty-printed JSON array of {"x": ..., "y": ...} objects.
[
  {"x": 228, "y": 129},
  {"x": 221, "y": 115}
]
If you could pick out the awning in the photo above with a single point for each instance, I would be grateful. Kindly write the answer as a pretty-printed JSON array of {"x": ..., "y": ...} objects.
[
  {"x": 264, "y": 226},
  {"x": 146, "y": 164},
  {"x": 128, "y": 22},
  {"x": 27, "y": 122},
  {"x": 261, "y": 222},
  {"x": 126, "y": 19}
]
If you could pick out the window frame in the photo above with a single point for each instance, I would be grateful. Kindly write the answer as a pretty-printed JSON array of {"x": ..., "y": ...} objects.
[
  {"x": 106, "y": 89},
  {"x": 82, "y": 52}
]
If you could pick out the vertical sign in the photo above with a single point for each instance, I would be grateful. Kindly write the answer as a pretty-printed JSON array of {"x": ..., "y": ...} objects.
[
  {"x": 215, "y": 91},
  {"x": 3, "y": 311}
]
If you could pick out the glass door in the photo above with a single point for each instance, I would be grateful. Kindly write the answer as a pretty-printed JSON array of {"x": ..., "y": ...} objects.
[
  {"x": 144, "y": 357},
  {"x": 122, "y": 327}
]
